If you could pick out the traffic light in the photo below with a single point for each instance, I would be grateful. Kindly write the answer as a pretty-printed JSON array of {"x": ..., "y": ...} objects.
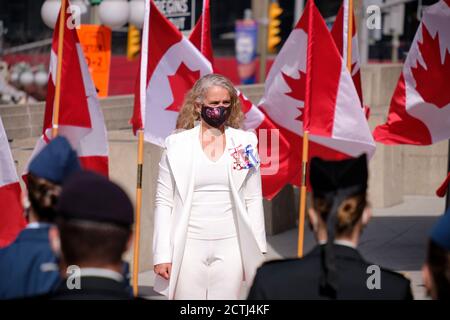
[
  {"x": 134, "y": 42},
  {"x": 274, "y": 30}
]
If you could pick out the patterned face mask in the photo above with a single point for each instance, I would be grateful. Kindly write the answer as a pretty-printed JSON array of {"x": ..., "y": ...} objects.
[{"x": 215, "y": 116}]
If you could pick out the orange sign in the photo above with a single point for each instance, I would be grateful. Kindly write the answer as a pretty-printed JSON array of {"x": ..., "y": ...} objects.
[{"x": 96, "y": 43}]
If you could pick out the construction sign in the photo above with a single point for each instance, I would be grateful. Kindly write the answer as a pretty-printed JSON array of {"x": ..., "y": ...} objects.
[{"x": 96, "y": 43}]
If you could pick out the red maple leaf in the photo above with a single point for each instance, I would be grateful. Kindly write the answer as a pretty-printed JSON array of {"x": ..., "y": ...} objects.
[
  {"x": 297, "y": 92},
  {"x": 180, "y": 83},
  {"x": 432, "y": 81}
]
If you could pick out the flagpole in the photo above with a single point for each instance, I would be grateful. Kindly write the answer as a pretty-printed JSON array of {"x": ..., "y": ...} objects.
[
  {"x": 349, "y": 36},
  {"x": 140, "y": 155},
  {"x": 56, "y": 102},
  {"x": 202, "y": 35},
  {"x": 447, "y": 199},
  {"x": 301, "y": 221},
  {"x": 137, "y": 229},
  {"x": 307, "y": 106}
]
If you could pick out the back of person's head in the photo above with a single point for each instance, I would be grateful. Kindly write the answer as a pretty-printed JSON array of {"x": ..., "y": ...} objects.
[
  {"x": 339, "y": 199},
  {"x": 43, "y": 196},
  {"x": 94, "y": 244},
  {"x": 95, "y": 221},
  {"x": 47, "y": 171},
  {"x": 349, "y": 212},
  {"x": 436, "y": 271},
  {"x": 346, "y": 180}
]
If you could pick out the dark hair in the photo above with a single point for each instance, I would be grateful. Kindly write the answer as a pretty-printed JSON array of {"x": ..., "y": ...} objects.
[
  {"x": 438, "y": 260},
  {"x": 43, "y": 196},
  {"x": 348, "y": 213},
  {"x": 92, "y": 243}
]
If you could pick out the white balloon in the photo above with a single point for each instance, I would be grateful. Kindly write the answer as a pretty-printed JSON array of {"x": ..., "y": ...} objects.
[
  {"x": 6, "y": 97},
  {"x": 14, "y": 77},
  {"x": 49, "y": 12},
  {"x": 114, "y": 13},
  {"x": 26, "y": 78},
  {"x": 41, "y": 78},
  {"x": 136, "y": 17},
  {"x": 81, "y": 4}
]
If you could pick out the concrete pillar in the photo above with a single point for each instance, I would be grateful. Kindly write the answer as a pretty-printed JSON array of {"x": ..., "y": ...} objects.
[
  {"x": 281, "y": 213},
  {"x": 260, "y": 10},
  {"x": 386, "y": 167},
  {"x": 123, "y": 170}
]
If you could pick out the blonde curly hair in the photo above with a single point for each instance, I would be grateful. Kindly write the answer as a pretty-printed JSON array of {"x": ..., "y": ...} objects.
[{"x": 188, "y": 113}]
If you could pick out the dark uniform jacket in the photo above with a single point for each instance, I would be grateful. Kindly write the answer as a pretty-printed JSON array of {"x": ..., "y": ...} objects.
[
  {"x": 299, "y": 278},
  {"x": 94, "y": 288},
  {"x": 28, "y": 267}
]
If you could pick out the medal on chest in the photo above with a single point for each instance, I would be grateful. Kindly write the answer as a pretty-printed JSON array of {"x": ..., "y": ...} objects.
[{"x": 244, "y": 157}]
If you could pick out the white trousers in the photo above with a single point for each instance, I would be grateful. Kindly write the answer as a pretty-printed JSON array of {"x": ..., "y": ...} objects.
[{"x": 210, "y": 270}]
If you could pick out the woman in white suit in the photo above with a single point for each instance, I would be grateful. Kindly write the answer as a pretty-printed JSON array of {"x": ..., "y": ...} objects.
[{"x": 209, "y": 231}]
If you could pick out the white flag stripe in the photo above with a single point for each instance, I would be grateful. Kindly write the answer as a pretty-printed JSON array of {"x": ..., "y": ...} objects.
[
  {"x": 436, "y": 19},
  {"x": 350, "y": 123},
  {"x": 161, "y": 122},
  {"x": 95, "y": 143},
  {"x": 144, "y": 63},
  {"x": 345, "y": 30},
  {"x": 8, "y": 172}
]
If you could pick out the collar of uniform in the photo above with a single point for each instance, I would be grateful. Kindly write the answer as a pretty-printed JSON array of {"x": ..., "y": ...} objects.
[
  {"x": 341, "y": 251},
  {"x": 34, "y": 234},
  {"x": 102, "y": 273},
  {"x": 345, "y": 243},
  {"x": 37, "y": 225}
]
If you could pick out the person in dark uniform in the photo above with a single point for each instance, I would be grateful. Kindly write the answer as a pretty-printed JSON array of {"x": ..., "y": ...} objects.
[
  {"x": 436, "y": 271},
  {"x": 28, "y": 266},
  {"x": 95, "y": 219},
  {"x": 334, "y": 269}
]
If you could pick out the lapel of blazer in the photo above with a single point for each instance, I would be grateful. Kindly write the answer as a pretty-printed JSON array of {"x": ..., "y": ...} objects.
[
  {"x": 181, "y": 157},
  {"x": 234, "y": 140}
]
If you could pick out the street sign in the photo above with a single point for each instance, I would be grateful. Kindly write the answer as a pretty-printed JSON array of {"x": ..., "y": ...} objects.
[
  {"x": 180, "y": 12},
  {"x": 246, "y": 43},
  {"x": 96, "y": 44},
  {"x": 394, "y": 20}
]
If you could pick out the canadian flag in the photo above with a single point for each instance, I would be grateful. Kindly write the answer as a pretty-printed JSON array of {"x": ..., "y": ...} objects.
[
  {"x": 442, "y": 190},
  {"x": 170, "y": 65},
  {"x": 201, "y": 34},
  {"x": 273, "y": 148},
  {"x": 11, "y": 211},
  {"x": 420, "y": 107},
  {"x": 339, "y": 32},
  {"x": 310, "y": 72},
  {"x": 80, "y": 115}
]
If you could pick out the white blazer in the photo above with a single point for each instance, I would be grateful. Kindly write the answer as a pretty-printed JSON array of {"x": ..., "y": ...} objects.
[{"x": 174, "y": 192}]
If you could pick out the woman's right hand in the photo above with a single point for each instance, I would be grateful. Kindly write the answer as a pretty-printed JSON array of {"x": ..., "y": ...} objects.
[{"x": 163, "y": 269}]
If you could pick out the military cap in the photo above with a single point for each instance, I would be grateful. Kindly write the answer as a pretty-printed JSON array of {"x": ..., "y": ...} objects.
[
  {"x": 56, "y": 161},
  {"x": 440, "y": 233}
]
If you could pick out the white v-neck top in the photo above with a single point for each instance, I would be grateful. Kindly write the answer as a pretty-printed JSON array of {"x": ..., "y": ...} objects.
[{"x": 212, "y": 207}]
